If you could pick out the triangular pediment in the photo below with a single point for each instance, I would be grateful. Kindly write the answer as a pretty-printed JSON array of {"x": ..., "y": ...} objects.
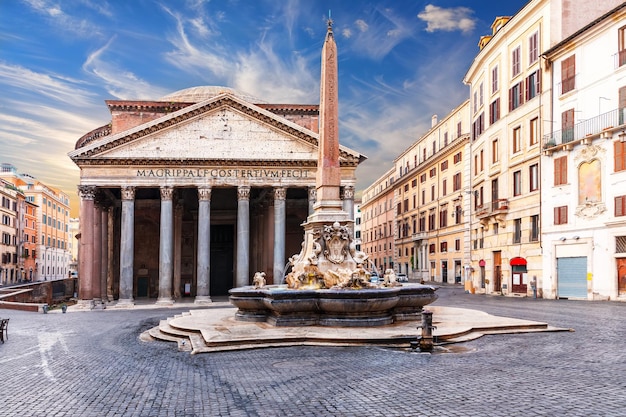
[{"x": 223, "y": 128}]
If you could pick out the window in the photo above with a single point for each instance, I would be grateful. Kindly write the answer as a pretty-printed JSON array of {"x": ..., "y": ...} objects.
[
  {"x": 517, "y": 183},
  {"x": 423, "y": 197},
  {"x": 457, "y": 182},
  {"x": 433, "y": 172},
  {"x": 533, "y": 85},
  {"x": 560, "y": 170},
  {"x": 494, "y": 111},
  {"x": 494, "y": 79},
  {"x": 516, "y": 65},
  {"x": 534, "y": 131},
  {"x": 534, "y": 228},
  {"x": 444, "y": 165},
  {"x": 517, "y": 230},
  {"x": 620, "y": 156},
  {"x": 431, "y": 220},
  {"x": 494, "y": 151},
  {"x": 517, "y": 139},
  {"x": 620, "y": 206},
  {"x": 423, "y": 178},
  {"x": 443, "y": 217},
  {"x": 533, "y": 48},
  {"x": 482, "y": 161},
  {"x": 444, "y": 187},
  {"x": 406, "y": 187},
  {"x": 443, "y": 246},
  {"x": 406, "y": 204},
  {"x": 432, "y": 193},
  {"x": 422, "y": 222},
  {"x": 457, "y": 245},
  {"x": 458, "y": 213},
  {"x": 478, "y": 127},
  {"x": 516, "y": 96},
  {"x": 431, "y": 248},
  {"x": 414, "y": 183},
  {"x": 533, "y": 177},
  {"x": 457, "y": 157},
  {"x": 480, "y": 95},
  {"x": 560, "y": 215},
  {"x": 567, "y": 126},
  {"x": 475, "y": 164},
  {"x": 621, "y": 43},
  {"x": 458, "y": 130},
  {"x": 568, "y": 74}
]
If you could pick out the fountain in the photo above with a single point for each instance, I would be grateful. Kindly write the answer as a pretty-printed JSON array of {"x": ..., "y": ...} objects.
[{"x": 329, "y": 284}]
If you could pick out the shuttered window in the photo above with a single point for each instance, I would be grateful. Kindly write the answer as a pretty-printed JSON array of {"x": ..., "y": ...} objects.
[
  {"x": 568, "y": 74},
  {"x": 560, "y": 215},
  {"x": 620, "y": 156},
  {"x": 620, "y": 206},
  {"x": 560, "y": 170}
]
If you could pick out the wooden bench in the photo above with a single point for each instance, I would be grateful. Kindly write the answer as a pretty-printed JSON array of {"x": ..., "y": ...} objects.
[{"x": 4, "y": 331}]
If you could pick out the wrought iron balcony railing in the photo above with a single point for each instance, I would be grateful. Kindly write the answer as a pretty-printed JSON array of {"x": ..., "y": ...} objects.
[{"x": 589, "y": 127}]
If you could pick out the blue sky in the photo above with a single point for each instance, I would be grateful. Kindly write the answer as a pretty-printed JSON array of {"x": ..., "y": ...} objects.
[{"x": 400, "y": 62}]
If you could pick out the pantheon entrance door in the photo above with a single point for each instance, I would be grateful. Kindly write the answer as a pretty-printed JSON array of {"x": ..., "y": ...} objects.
[{"x": 222, "y": 258}]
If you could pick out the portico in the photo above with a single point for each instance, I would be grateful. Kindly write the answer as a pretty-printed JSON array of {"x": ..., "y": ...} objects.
[{"x": 193, "y": 202}]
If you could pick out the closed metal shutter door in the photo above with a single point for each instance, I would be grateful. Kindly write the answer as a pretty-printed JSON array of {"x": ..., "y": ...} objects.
[{"x": 572, "y": 277}]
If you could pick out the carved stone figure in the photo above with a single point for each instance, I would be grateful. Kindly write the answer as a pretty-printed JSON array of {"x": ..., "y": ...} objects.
[{"x": 259, "y": 280}]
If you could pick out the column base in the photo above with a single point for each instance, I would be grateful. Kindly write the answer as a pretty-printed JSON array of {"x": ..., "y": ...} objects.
[
  {"x": 125, "y": 303},
  {"x": 202, "y": 300},
  {"x": 165, "y": 301},
  {"x": 98, "y": 304}
]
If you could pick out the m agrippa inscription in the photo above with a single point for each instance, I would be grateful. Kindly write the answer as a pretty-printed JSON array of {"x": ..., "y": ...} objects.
[{"x": 222, "y": 173}]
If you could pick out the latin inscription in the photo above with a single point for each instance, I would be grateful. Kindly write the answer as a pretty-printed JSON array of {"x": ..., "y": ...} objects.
[{"x": 222, "y": 173}]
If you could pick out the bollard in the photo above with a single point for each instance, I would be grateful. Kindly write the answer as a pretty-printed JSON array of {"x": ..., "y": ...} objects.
[
  {"x": 425, "y": 341},
  {"x": 64, "y": 308},
  {"x": 45, "y": 309}
]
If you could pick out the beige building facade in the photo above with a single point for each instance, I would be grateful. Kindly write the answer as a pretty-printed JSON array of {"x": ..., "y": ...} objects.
[{"x": 189, "y": 195}]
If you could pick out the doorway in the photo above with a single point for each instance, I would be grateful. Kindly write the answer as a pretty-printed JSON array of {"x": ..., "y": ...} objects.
[{"x": 222, "y": 256}]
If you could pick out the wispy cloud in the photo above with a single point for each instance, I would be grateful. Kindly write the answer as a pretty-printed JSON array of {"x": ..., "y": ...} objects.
[
  {"x": 448, "y": 20},
  {"x": 64, "y": 22},
  {"x": 119, "y": 82}
]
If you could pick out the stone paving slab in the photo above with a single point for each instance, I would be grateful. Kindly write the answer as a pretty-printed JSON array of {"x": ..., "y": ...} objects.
[{"x": 221, "y": 331}]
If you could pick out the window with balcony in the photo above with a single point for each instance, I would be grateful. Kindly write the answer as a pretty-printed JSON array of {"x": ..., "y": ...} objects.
[
  {"x": 560, "y": 215},
  {"x": 568, "y": 74},
  {"x": 567, "y": 126},
  {"x": 517, "y": 183},
  {"x": 431, "y": 220},
  {"x": 560, "y": 170}
]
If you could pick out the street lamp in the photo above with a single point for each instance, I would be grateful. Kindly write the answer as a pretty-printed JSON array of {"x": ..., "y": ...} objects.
[{"x": 622, "y": 136}]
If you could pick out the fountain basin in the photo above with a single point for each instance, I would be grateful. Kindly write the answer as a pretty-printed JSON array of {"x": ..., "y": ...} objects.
[{"x": 280, "y": 306}]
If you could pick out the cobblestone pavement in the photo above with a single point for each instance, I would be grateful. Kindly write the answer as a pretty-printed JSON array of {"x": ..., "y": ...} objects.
[{"x": 92, "y": 364}]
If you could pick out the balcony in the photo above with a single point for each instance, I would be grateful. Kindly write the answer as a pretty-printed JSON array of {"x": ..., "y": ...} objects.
[
  {"x": 419, "y": 236},
  {"x": 585, "y": 130},
  {"x": 500, "y": 206}
]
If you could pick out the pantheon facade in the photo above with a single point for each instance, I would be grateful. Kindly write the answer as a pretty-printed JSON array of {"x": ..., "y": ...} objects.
[{"x": 189, "y": 195}]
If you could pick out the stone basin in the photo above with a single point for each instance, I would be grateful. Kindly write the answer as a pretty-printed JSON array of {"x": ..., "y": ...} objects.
[{"x": 280, "y": 306}]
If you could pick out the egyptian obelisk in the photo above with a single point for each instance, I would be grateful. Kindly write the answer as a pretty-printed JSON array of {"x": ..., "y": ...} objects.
[{"x": 328, "y": 206}]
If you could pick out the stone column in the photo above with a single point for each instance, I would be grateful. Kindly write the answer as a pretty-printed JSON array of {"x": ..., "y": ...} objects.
[
  {"x": 178, "y": 232},
  {"x": 104, "y": 250},
  {"x": 280, "y": 195},
  {"x": 348, "y": 200},
  {"x": 96, "y": 265},
  {"x": 110, "y": 249},
  {"x": 127, "y": 247},
  {"x": 166, "y": 240},
  {"x": 312, "y": 197},
  {"x": 203, "y": 286},
  {"x": 85, "y": 260},
  {"x": 243, "y": 236}
]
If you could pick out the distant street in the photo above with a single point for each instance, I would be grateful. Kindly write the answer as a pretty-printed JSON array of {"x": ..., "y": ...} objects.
[{"x": 93, "y": 364}]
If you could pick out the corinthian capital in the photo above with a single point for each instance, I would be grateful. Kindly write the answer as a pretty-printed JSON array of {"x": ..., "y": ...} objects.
[
  {"x": 167, "y": 193},
  {"x": 128, "y": 193},
  {"x": 204, "y": 193},
  {"x": 280, "y": 193},
  {"x": 87, "y": 192},
  {"x": 243, "y": 192}
]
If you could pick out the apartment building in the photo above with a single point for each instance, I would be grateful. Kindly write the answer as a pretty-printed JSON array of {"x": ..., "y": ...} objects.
[
  {"x": 583, "y": 185},
  {"x": 378, "y": 222},
  {"x": 9, "y": 268},
  {"x": 52, "y": 250},
  {"x": 432, "y": 201}
]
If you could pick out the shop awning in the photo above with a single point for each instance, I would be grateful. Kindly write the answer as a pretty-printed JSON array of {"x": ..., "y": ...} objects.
[{"x": 517, "y": 261}]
